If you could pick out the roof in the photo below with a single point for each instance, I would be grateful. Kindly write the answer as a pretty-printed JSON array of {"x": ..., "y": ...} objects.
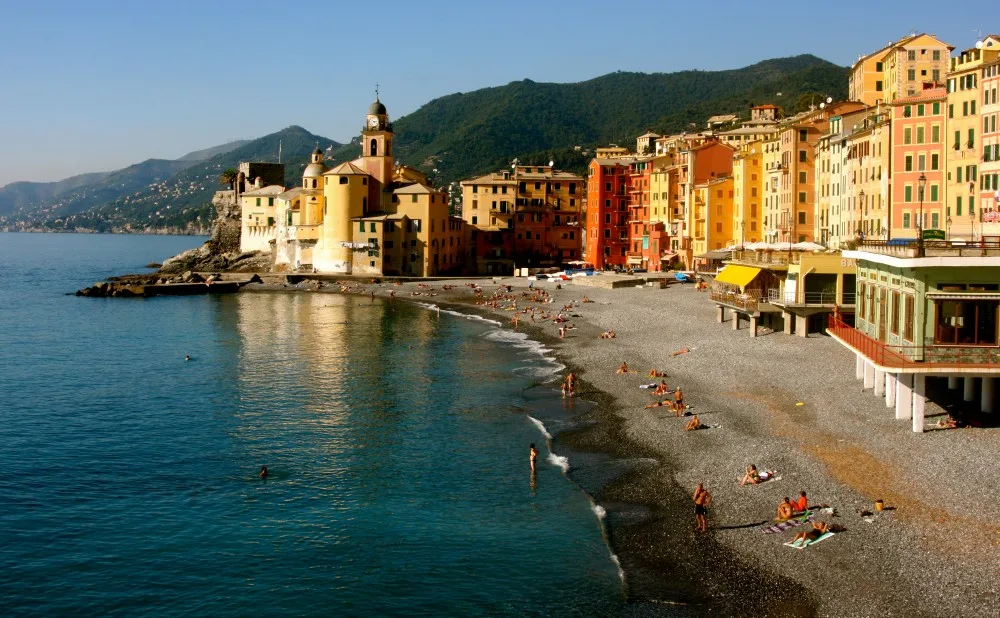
[
  {"x": 268, "y": 191},
  {"x": 649, "y": 134},
  {"x": 314, "y": 170},
  {"x": 291, "y": 194},
  {"x": 723, "y": 118},
  {"x": 346, "y": 169},
  {"x": 376, "y": 107},
  {"x": 931, "y": 94},
  {"x": 718, "y": 254},
  {"x": 416, "y": 188}
]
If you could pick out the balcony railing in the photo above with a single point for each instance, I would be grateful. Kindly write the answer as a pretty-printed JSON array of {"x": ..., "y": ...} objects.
[
  {"x": 766, "y": 258},
  {"x": 783, "y": 297},
  {"x": 914, "y": 356},
  {"x": 932, "y": 248},
  {"x": 748, "y": 301}
]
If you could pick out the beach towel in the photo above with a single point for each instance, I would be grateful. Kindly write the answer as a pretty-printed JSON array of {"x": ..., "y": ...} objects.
[
  {"x": 653, "y": 385},
  {"x": 803, "y": 543},
  {"x": 781, "y": 526}
]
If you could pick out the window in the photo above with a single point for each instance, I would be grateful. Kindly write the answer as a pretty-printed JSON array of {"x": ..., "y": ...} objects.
[
  {"x": 966, "y": 322},
  {"x": 802, "y": 217},
  {"x": 802, "y": 197},
  {"x": 908, "y": 317},
  {"x": 920, "y": 110},
  {"x": 911, "y": 55},
  {"x": 920, "y": 135},
  {"x": 907, "y": 135},
  {"x": 935, "y": 220},
  {"x": 908, "y": 163},
  {"x": 921, "y": 162},
  {"x": 343, "y": 180},
  {"x": 894, "y": 313},
  {"x": 935, "y": 134},
  {"x": 934, "y": 194},
  {"x": 908, "y": 193},
  {"x": 911, "y": 75},
  {"x": 475, "y": 220},
  {"x": 936, "y": 108},
  {"x": 936, "y": 54},
  {"x": 802, "y": 177},
  {"x": 906, "y": 220},
  {"x": 878, "y": 84},
  {"x": 802, "y": 156}
]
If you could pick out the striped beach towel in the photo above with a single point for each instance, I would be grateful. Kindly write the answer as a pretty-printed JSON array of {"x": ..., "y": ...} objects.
[{"x": 781, "y": 526}]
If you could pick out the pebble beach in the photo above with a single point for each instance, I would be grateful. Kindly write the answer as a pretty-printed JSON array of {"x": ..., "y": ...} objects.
[{"x": 784, "y": 403}]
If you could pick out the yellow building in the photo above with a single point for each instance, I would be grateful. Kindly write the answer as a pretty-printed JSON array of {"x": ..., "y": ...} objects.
[
  {"x": 257, "y": 218},
  {"x": 367, "y": 216},
  {"x": 898, "y": 69},
  {"x": 748, "y": 192},
  {"x": 963, "y": 132},
  {"x": 712, "y": 215}
]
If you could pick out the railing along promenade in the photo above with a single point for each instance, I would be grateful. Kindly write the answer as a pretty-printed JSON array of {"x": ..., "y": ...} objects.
[
  {"x": 931, "y": 248},
  {"x": 779, "y": 297},
  {"x": 914, "y": 356}
]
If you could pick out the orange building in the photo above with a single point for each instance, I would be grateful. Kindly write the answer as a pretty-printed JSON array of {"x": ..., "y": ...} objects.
[
  {"x": 607, "y": 217},
  {"x": 918, "y": 151}
]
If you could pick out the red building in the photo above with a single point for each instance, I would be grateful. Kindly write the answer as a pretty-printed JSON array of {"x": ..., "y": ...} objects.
[{"x": 607, "y": 212}]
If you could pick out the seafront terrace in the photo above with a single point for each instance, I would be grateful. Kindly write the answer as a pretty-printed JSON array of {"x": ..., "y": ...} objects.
[{"x": 931, "y": 248}]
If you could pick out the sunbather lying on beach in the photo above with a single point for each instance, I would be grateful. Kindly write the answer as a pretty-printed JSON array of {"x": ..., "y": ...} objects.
[
  {"x": 819, "y": 528},
  {"x": 693, "y": 424},
  {"x": 661, "y": 404},
  {"x": 608, "y": 334},
  {"x": 662, "y": 389},
  {"x": 654, "y": 373},
  {"x": 624, "y": 368}
]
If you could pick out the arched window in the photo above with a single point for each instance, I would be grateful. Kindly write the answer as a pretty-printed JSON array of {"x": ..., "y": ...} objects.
[
  {"x": 374, "y": 147},
  {"x": 314, "y": 183},
  {"x": 343, "y": 180}
]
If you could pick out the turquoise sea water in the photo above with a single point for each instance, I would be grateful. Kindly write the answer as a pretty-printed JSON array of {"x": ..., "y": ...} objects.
[{"x": 396, "y": 441}]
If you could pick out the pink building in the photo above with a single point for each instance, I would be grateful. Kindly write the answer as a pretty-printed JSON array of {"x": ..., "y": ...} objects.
[{"x": 918, "y": 150}]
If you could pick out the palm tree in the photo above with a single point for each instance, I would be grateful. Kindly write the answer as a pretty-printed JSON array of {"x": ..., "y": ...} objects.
[{"x": 228, "y": 177}]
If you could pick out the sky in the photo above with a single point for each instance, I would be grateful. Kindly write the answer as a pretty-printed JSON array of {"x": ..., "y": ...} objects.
[{"x": 91, "y": 86}]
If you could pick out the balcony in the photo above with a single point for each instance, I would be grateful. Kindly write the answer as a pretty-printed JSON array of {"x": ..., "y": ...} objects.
[
  {"x": 812, "y": 299},
  {"x": 766, "y": 258},
  {"x": 931, "y": 248},
  {"x": 749, "y": 301},
  {"x": 304, "y": 232},
  {"x": 924, "y": 359}
]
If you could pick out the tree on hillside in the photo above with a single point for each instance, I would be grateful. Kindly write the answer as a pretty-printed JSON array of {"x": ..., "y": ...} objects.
[{"x": 228, "y": 177}]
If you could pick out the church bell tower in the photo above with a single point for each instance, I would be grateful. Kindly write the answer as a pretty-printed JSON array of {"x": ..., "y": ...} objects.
[{"x": 376, "y": 143}]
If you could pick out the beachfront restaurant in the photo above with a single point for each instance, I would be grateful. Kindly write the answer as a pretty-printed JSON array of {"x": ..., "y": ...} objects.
[
  {"x": 792, "y": 290},
  {"x": 925, "y": 311}
]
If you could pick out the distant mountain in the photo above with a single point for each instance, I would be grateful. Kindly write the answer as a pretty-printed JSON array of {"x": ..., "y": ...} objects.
[
  {"x": 208, "y": 153},
  {"x": 18, "y": 195},
  {"x": 185, "y": 197},
  {"x": 453, "y": 138}
]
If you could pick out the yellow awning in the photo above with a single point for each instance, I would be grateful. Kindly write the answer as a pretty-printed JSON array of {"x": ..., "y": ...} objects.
[{"x": 737, "y": 275}]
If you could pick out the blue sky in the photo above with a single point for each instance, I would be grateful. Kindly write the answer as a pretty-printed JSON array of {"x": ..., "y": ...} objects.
[{"x": 92, "y": 86}]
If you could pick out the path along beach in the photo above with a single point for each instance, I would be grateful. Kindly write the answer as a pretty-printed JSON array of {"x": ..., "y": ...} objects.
[{"x": 783, "y": 403}]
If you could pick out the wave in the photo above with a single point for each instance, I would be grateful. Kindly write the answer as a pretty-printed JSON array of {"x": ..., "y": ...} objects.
[
  {"x": 541, "y": 427},
  {"x": 559, "y": 461},
  {"x": 599, "y": 511},
  {"x": 467, "y": 316},
  {"x": 618, "y": 565},
  {"x": 539, "y": 373}
]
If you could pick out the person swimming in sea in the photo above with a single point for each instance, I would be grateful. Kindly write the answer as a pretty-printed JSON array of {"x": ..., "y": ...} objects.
[
  {"x": 532, "y": 455},
  {"x": 187, "y": 358},
  {"x": 263, "y": 472}
]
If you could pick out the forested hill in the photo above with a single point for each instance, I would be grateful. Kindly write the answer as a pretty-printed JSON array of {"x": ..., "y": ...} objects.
[{"x": 465, "y": 134}]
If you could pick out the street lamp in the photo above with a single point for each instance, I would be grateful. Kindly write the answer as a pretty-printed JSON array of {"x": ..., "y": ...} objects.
[
  {"x": 862, "y": 211},
  {"x": 921, "y": 183}
]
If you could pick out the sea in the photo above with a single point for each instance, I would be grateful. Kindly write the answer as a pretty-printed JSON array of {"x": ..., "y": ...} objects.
[{"x": 396, "y": 439}]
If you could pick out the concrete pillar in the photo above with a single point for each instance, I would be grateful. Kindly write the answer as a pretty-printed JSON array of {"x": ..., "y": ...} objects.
[
  {"x": 787, "y": 317},
  {"x": 720, "y": 314},
  {"x": 736, "y": 320},
  {"x": 952, "y": 383},
  {"x": 753, "y": 325},
  {"x": 859, "y": 367},
  {"x": 919, "y": 399},
  {"x": 986, "y": 405},
  {"x": 904, "y": 396},
  {"x": 890, "y": 389},
  {"x": 879, "y": 383},
  {"x": 802, "y": 325},
  {"x": 869, "y": 375},
  {"x": 970, "y": 389}
]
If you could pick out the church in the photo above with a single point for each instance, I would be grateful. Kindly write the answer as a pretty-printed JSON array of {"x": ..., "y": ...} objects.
[{"x": 362, "y": 217}]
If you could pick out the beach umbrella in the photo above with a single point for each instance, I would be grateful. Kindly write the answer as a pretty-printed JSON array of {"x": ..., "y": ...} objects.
[{"x": 808, "y": 246}]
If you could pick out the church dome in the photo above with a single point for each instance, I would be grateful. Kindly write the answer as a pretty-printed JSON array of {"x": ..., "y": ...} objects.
[
  {"x": 314, "y": 170},
  {"x": 376, "y": 108}
]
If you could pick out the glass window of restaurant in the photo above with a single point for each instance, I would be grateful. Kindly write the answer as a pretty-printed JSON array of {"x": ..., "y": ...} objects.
[{"x": 966, "y": 322}]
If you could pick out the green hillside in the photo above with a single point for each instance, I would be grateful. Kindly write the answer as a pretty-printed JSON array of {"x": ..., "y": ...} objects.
[
  {"x": 461, "y": 133},
  {"x": 20, "y": 195},
  {"x": 185, "y": 198}
]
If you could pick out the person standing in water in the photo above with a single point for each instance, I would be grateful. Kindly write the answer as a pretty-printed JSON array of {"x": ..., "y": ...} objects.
[
  {"x": 532, "y": 455},
  {"x": 263, "y": 472}
]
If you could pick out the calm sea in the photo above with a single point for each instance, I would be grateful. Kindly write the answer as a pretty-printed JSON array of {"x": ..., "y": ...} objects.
[{"x": 396, "y": 441}]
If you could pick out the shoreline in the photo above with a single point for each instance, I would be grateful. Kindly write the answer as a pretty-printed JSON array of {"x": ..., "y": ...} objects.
[{"x": 929, "y": 555}]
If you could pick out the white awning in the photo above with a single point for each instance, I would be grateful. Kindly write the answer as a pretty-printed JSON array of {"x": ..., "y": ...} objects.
[
  {"x": 635, "y": 260},
  {"x": 964, "y": 296}
]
